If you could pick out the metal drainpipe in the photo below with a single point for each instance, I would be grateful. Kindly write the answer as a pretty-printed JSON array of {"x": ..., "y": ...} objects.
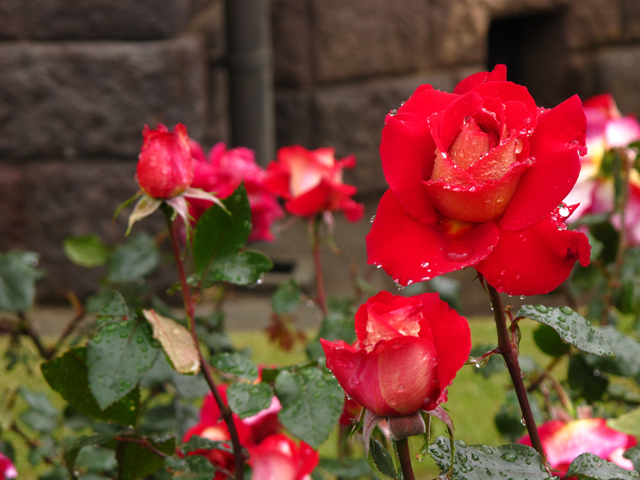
[{"x": 249, "y": 58}]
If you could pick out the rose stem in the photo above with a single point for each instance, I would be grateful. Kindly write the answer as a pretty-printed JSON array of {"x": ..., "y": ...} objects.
[
  {"x": 190, "y": 311},
  {"x": 510, "y": 358},
  {"x": 405, "y": 458},
  {"x": 315, "y": 245}
]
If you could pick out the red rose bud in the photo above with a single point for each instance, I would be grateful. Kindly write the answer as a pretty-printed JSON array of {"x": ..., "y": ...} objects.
[
  {"x": 409, "y": 349},
  {"x": 165, "y": 168},
  {"x": 562, "y": 442},
  {"x": 477, "y": 178},
  {"x": 311, "y": 182}
]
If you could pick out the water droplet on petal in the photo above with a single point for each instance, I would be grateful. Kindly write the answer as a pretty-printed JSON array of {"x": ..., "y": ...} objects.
[{"x": 457, "y": 252}]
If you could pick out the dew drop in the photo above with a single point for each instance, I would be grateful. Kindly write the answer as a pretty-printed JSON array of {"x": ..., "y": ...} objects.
[
  {"x": 566, "y": 310},
  {"x": 541, "y": 308},
  {"x": 457, "y": 252},
  {"x": 373, "y": 217}
]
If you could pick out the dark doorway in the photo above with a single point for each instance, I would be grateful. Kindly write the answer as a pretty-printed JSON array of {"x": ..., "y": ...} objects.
[{"x": 534, "y": 50}]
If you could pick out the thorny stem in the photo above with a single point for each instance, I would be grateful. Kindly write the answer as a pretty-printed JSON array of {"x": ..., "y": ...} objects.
[
  {"x": 510, "y": 358},
  {"x": 405, "y": 458},
  {"x": 206, "y": 370},
  {"x": 315, "y": 243},
  {"x": 27, "y": 329},
  {"x": 73, "y": 323}
]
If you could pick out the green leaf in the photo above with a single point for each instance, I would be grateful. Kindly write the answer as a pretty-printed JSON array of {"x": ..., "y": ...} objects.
[
  {"x": 380, "y": 461},
  {"x": 18, "y": 277},
  {"x": 71, "y": 455},
  {"x": 145, "y": 207},
  {"x": 347, "y": 468},
  {"x": 628, "y": 423},
  {"x": 176, "y": 341},
  {"x": 589, "y": 466},
  {"x": 200, "y": 443},
  {"x": 626, "y": 350},
  {"x": 118, "y": 356},
  {"x": 312, "y": 401},
  {"x": 549, "y": 341},
  {"x": 244, "y": 268},
  {"x": 337, "y": 325},
  {"x": 590, "y": 383},
  {"x": 190, "y": 387},
  {"x": 41, "y": 415},
  {"x": 111, "y": 304},
  {"x": 193, "y": 467},
  {"x": 269, "y": 375},
  {"x": 134, "y": 259},
  {"x": 219, "y": 234},
  {"x": 633, "y": 454},
  {"x": 68, "y": 375},
  {"x": 248, "y": 399},
  {"x": 480, "y": 462},
  {"x": 137, "y": 461},
  {"x": 286, "y": 298},
  {"x": 86, "y": 251},
  {"x": 235, "y": 364},
  {"x": 572, "y": 327}
]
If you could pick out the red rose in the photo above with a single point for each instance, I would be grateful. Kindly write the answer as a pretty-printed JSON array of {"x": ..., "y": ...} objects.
[
  {"x": 7, "y": 470},
  {"x": 165, "y": 168},
  {"x": 476, "y": 178},
  {"x": 279, "y": 457},
  {"x": 222, "y": 173},
  {"x": 409, "y": 349},
  {"x": 562, "y": 442},
  {"x": 311, "y": 182}
]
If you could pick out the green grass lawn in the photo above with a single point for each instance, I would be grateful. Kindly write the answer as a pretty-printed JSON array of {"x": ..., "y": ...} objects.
[{"x": 473, "y": 399}]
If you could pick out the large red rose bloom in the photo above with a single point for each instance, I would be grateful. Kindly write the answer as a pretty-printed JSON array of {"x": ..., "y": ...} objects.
[
  {"x": 476, "y": 178},
  {"x": 409, "y": 349}
]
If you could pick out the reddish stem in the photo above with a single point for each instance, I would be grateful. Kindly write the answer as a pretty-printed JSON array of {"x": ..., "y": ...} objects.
[
  {"x": 511, "y": 359},
  {"x": 315, "y": 242},
  {"x": 206, "y": 370},
  {"x": 405, "y": 459}
]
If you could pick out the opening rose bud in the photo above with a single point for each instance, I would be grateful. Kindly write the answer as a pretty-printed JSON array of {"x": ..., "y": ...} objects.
[
  {"x": 477, "y": 178},
  {"x": 408, "y": 351},
  {"x": 165, "y": 168}
]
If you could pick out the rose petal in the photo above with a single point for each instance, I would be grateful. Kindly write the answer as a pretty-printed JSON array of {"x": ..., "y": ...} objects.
[
  {"x": 509, "y": 91},
  {"x": 412, "y": 251},
  {"x": 534, "y": 260},
  {"x": 383, "y": 381},
  {"x": 498, "y": 74},
  {"x": 554, "y": 144},
  {"x": 407, "y": 151}
]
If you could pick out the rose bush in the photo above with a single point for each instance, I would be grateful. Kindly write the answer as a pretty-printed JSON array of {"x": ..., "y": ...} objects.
[
  {"x": 310, "y": 182},
  {"x": 165, "y": 168},
  {"x": 563, "y": 442},
  {"x": 408, "y": 352},
  {"x": 594, "y": 190},
  {"x": 475, "y": 180},
  {"x": 222, "y": 172}
]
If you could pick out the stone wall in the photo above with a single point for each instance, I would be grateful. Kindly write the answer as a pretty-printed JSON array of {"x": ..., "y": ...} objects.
[{"x": 79, "y": 79}]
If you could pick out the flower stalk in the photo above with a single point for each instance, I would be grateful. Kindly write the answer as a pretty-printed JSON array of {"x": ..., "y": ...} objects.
[
  {"x": 314, "y": 232},
  {"x": 511, "y": 359},
  {"x": 206, "y": 370},
  {"x": 405, "y": 458}
]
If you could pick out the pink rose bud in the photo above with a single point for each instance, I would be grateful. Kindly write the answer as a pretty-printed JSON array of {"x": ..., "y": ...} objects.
[{"x": 165, "y": 168}]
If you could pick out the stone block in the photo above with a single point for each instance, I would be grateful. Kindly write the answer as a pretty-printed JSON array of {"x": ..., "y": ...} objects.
[
  {"x": 89, "y": 100},
  {"x": 351, "y": 118},
  {"x": 13, "y": 192},
  {"x": 77, "y": 198},
  {"x": 617, "y": 70},
  {"x": 507, "y": 8},
  {"x": 218, "y": 128},
  {"x": 293, "y": 118},
  {"x": 291, "y": 42},
  {"x": 592, "y": 23},
  {"x": 631, "y": 20},
  {"x": 11, "y": 20},
  {"x": 356, "y": 39},
  {"x": 459, "y": 31},
  {"x": 105, "y": 19},
  {"x": 209, "y": 23}
]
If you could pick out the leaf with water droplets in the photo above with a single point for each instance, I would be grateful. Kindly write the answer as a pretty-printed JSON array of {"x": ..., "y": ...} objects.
[
  {"x": 480, "y": 462},
  {"x": 235, "y": 364},
  {"x": 312, "y": 401},
  {"x": 134, "y": 259},
  {"x": 176, "y": 342},
  {"x": 68, "y": 375},
  {"x": 118, "y": 355},
  {"x": 136, "y": 460},
  {"x": 243, "y": 268},
  {"x": 626, "y": 350},
  {"x": 589, "y": 466},
  {"x": 220, "y": 234},
  {"x": 572, "y": 327},
  {"x": 247, "y": 399},
  {"x": 380, "y": 461}
]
